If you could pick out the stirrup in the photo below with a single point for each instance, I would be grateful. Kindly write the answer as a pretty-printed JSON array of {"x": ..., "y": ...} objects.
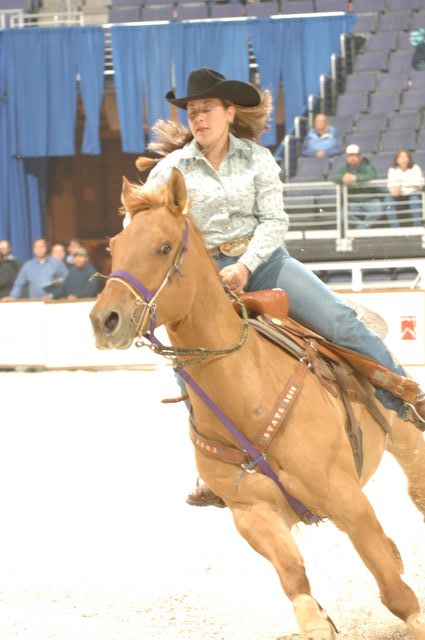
[{"x": 413, "y": 416}]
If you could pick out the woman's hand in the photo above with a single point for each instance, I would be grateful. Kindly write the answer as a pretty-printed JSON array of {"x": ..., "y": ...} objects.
[{"x": 235, "y": 277}]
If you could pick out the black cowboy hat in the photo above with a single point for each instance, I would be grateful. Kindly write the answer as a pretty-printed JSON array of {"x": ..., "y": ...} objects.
[{"x": 207, "y": 83}]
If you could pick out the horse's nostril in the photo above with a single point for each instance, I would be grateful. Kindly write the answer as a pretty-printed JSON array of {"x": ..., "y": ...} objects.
[{"x": 111, "y": 321}]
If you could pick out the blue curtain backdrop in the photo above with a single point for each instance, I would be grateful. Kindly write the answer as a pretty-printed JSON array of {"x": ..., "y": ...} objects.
[
  {"x": 38, "y": 97},
  {"x": 22, "y": 182},
  {"x": 41, "y": 77},
  {"x": 142, "y": 63},
  {"x": 296, "y": 51}
]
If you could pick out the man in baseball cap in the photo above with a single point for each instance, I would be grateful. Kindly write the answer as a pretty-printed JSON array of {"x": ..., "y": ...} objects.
[{"x": 354, "y": 175}]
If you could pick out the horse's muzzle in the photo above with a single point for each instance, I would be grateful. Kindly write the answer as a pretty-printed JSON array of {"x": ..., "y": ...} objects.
[{"x": 111, "y": 328}]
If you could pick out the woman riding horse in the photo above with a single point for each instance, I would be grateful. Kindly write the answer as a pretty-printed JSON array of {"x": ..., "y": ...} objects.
[{"x": 237, "y": 202}]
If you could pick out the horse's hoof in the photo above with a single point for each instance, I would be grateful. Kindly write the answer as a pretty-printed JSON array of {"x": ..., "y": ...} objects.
[
  {"x": 416, "y": 625},
  {"x": 313, "y": 621}
]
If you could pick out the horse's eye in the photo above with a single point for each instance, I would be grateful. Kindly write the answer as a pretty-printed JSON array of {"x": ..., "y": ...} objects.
[{"x": 165, "y": 249}]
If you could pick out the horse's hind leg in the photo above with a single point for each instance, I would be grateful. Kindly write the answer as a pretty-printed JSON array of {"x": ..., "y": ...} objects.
[
  {"x": 407, "y": 445},
  {"x": 350, "y": 511},
  {"x": 266, "y": 531}
]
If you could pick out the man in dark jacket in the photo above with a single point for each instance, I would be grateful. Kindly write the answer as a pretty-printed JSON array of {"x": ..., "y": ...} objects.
[
  {"x": 9, "y": 268},
  {"x": 363, "y": 199},
  {"x": 77, "y": 283}
]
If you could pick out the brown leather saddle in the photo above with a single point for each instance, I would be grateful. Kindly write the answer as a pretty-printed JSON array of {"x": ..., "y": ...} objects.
[
  {"x": 270, "y": 308},
  {"x": 335, "y": 366}
]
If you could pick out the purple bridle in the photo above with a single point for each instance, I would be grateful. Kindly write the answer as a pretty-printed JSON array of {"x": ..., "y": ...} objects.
[{"x": 145, "y": 298}]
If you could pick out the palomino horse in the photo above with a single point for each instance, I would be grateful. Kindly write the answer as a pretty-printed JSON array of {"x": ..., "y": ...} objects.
[{"x": 161, "y": 267}]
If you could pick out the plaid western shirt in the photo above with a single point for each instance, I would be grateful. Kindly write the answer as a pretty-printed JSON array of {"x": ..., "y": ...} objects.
[{"x": 243, "y": 198}]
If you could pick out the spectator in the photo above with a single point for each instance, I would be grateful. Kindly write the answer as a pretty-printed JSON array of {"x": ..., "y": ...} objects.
[
  {"x": 354, "y": 174},
  {"x": 417, "y": 39},
  {"x": 6, "y": 251},
  {"x": 322, "y": 139},
  {"x": 73, "y": 245},
  {"x": 77, "y": 283},
  {"x": 9, "y": 268},
  {"x": 405, "y": 182},
  {"x": 58, "y": 251},
  {"x": 38, "y": 274}
]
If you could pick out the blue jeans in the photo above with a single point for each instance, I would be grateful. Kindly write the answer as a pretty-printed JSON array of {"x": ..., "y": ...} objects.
[
  {"x": 373, "y": 210},
  {"x": 412, "y": 202},
  {"x": 316, "y": 306}
]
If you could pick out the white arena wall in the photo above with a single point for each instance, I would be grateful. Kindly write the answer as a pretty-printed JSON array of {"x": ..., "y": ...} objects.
[{"x": 58, "y": 335}]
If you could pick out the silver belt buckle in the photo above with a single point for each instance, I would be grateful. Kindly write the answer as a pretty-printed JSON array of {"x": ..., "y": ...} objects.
[{"x": 235, "y": 248}]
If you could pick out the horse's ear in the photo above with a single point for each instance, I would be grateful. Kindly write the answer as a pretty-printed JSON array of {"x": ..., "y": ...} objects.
[
  {"x": 129, "y": 198},
  {"x": 177, "y": 190}
]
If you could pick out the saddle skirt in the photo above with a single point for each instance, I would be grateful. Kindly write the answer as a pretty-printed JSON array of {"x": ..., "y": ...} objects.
[{"x": 270, "y": 308}]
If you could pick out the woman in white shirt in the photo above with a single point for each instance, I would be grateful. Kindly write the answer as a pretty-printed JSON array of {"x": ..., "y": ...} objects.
[{"x": 405, "y": 182}]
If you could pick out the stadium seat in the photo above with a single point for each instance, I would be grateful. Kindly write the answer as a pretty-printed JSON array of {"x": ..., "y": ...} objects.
[
  {"x": 402, "y": 139},
  {"x": 367, "y": 140},
  {"x": 351, "y": 104},
  {"x": 384, "y": 102},
  {"x": 405, "y": 120},
  {"x": 382, "y": 161},
  {"x": 366, "y": 23},
  {"x": 400, "y": 61},
  {"x": 226, "y": 10},
  {"x": 192, "y": 11},
  {"x": 403, "y": 41},
  {"x": 391, "y": 81},
  {"x": 394, "y": 21},
  {"x": 417, "y": 79},
  {"x": 382, "y": 41},
  {"x": 371, "y": 122},
  {"x": 25, "y": 5},
  {"x": 342, "y": 124},
  {"x": 297, "y": 6},
  {"x": 362, "y": 6},
  {"x": 400, "y": 5},
  {"x": 311, "y": 169},
  {"x": 420, "y": 142},
  {"x": 417, "y": 20},
  {"x": 153, "y": 12},
  {"x": 413, "y": 99},
  {"x": 360, "y": 81},
  {"x": 262, "y": 9},
  {"x": 419, "y": 158},
  {"x": 371, "y": 61},
  {"x": 323, "y": 6},
  {"x": 124, "y": 14}
]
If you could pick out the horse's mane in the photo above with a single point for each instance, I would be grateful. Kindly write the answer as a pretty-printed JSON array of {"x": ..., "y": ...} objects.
[{"x": 141, "y": 197}]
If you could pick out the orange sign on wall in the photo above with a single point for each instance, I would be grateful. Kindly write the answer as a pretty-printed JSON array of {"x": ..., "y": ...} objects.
[{"x": 408, "y": 327}]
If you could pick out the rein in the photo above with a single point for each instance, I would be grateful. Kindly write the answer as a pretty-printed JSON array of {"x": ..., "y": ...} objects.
[{"x": 145, "y": 300}]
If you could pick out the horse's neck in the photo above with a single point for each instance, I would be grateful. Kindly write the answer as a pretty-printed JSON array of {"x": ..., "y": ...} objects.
[{"x": 210, "y": 320}]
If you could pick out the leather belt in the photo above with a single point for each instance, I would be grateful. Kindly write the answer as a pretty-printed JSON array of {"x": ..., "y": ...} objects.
[{"x": 234, "y": 248}]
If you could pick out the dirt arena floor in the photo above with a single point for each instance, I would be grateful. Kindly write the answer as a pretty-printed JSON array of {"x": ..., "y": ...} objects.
[{"x": 97, "y": 543}]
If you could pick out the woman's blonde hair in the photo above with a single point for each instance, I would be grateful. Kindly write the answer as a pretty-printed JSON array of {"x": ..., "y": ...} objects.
[{"x": 249, "y": 122}]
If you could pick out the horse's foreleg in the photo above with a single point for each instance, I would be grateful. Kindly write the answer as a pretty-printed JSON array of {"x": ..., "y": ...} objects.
[
  {"x": 351, "y": 512},
  {"x": 266, "y": 531},
  {"x": 407, "y": 445}
]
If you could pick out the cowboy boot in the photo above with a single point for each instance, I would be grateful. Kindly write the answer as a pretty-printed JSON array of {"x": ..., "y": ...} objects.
[{"x": 204, "y": 497}]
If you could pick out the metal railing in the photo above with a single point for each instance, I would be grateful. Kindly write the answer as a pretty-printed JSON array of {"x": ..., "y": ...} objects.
[
  {"x": 6, "y": 15},
  {"x": 325, "y": 210},
  {"x": 66, "y": 18}
]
